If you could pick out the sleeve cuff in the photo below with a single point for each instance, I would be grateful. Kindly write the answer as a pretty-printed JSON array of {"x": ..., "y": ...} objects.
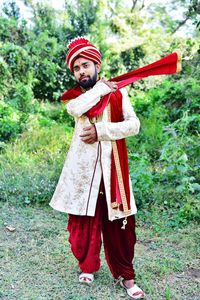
[
  {"x": 100, "y": 129},
  {"x": 104, "y": 88}
]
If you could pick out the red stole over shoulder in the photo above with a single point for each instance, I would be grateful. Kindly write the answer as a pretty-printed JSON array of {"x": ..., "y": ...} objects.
[
  {"x": 169, "y": 64},
  {"x": 120, "y": 189}
]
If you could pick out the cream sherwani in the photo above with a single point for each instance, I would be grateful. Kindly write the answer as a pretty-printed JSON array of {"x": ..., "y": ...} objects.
[{"x": 77, "y": 189}]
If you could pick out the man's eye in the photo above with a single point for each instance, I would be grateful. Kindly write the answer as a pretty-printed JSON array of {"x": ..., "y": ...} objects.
[{"x": 86, "y": 66}]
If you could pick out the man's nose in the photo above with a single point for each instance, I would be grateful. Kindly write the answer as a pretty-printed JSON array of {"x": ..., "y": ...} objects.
[{"x": 82, "y": 71}]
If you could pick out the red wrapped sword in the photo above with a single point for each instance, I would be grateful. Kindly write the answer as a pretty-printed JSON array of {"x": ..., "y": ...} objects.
[{"x": 169, "y": 64}]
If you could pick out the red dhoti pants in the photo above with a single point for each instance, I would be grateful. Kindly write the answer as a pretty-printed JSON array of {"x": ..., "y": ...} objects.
[{"x": 85, "y": 239}]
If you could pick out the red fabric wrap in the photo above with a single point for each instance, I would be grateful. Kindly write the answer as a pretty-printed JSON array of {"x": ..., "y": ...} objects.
[
  {"x": 168, "y": 65},
  {"x": 117, "y": 116}
]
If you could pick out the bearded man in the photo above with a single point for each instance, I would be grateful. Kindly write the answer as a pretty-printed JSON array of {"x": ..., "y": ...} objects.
[{"x": 94, "y": 187}]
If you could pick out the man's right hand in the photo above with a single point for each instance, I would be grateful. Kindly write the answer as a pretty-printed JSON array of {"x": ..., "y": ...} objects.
[{"x": 112, "y": 84}]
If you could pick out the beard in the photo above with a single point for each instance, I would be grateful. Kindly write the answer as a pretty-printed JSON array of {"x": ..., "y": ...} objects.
[{"x": 90, "y": 82}]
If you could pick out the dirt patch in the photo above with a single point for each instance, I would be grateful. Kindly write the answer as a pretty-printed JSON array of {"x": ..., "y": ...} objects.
[{"x": 195, "y": 273}]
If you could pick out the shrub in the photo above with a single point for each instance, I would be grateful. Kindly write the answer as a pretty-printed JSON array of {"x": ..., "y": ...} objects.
[
  {"x": 5, "y": 78},
  {"x": 22, "y": 98},
  {"x": 10, "y": 125},
  {"x": 141, "y": 178},
  {"x": 18, "y": 60},
  {"x": 177, "y": 97},
  {"x": 164, "y": 170}
]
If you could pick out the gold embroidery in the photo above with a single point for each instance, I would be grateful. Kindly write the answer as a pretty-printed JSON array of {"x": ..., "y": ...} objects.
[
  {"x": 179, "y": 58},
  {"x": 118, "y": 170},
  {"x": 65, "y": 101},
  {"x": 114, "y": 204}
]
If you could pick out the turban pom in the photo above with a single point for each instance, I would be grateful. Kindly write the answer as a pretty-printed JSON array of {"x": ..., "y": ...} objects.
[{"x": 81, "y": 47}]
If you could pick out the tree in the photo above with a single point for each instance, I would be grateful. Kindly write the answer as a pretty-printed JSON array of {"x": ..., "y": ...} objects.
[
  {"x": 192, "y": 12},
  {"x": 11, "y": 9}
]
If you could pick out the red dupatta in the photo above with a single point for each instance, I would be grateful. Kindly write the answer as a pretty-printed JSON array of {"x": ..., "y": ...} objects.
[{"x": 170, "y": 64}]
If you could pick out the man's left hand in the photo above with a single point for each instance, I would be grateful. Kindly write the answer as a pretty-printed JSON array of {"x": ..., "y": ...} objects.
[{"x": 89, "y": 136}]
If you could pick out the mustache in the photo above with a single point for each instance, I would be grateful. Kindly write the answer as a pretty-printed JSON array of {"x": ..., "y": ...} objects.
[{"x": 84, "y": 77}]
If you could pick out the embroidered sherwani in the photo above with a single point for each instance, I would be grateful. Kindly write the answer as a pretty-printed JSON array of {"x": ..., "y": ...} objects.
[{"x": 78, "y": 187}]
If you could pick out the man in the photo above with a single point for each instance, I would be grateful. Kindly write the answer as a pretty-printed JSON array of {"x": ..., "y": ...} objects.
[{"x": 94, "y": 187}]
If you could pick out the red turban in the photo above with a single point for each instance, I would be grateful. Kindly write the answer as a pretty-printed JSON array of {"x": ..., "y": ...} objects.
[{"x": 81, "y": 47}]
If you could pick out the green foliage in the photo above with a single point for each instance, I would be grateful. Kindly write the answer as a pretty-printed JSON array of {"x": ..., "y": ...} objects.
[
  {"x": 18, "y": 61},
  {"x": 131, "y": 57},
  {"x": 11, "y": 9},
  {"x": 22, "y": 98},
  {"x": 179, "y": 164},
  {"x": 170, "y": 179},
  {"x": 14, "y": 112},
  {"x": 142, "y": 178},
  {"x": 164, "y": 164},
  {"x": 178, "y": 97},
  {"x": 44, "y": 52},
  {"x": 4, "y": 78},
  {"x": 152, "y": 132},
  {"x": 80, "y": 17},
  {"x": 10, "y": 125},
  {"x": 56, "y": 113}
]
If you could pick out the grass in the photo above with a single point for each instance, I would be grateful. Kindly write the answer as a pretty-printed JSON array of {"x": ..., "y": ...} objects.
[
  {"x": 36, "y": 262},
  {"x": 31, "y": 165}
]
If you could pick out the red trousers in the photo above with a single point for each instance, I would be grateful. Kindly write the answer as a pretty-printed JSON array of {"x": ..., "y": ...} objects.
[{"x": 85, "y": 239}]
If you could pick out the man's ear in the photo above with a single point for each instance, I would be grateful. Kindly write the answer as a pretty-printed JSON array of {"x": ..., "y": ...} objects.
[{"x": 98, "y": 66}]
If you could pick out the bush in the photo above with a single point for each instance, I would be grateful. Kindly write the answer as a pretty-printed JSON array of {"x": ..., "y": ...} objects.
[
  {"x": 15, "y": 112},
  {"x": 47, "y": 59},
  {"x": 164, "y": 164},
  {"x": 141, "y": 178},
  {"x": 5, "y": 79},
  {"x": 177, "y": 97},
  {"x": 22, "y": 98},
  {"x": 10, "y": 125},
  {"x": 18, "y": 60}
]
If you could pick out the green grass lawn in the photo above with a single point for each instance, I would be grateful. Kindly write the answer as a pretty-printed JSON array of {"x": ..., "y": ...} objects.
[{"x": 36, "y": 262}]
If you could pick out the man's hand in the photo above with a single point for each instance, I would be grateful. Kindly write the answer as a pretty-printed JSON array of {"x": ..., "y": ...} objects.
[
  {"x": 112, "y": 84},
  {"x": 89, "y": 136}
]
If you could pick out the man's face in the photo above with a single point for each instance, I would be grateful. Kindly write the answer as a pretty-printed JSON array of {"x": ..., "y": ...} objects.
[{"x": 86, "y": 72}]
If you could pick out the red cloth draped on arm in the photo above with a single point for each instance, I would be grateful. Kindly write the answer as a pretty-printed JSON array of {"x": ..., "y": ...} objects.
[{"x": 170, "y": 64}]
